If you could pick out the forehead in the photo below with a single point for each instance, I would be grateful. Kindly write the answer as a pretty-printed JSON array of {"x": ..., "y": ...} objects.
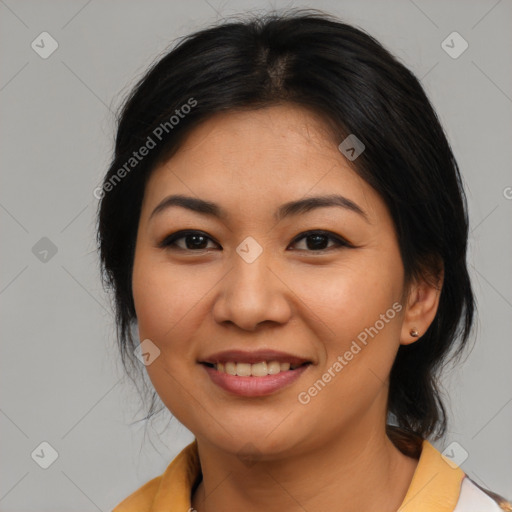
[
  {"x": 259, "y": 156},
  {"x": 262, "y": 135}
]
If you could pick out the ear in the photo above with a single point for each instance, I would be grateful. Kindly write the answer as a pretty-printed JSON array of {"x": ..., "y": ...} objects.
[{"x": 422, "y": 303}]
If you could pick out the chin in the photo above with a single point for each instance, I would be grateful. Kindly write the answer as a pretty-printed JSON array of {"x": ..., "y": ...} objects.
[{"x": 256, "y": 443}]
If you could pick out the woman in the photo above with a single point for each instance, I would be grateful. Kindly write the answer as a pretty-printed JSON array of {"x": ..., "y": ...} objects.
[{"x": 284, "y": 223}]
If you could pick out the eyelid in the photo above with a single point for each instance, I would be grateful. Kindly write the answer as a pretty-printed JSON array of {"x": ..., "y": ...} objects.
[
  {"x": 169, "y": 240},
  {"x": 340, "y": 241}
]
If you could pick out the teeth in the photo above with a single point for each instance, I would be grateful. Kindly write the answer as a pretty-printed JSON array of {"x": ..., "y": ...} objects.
[
  {"x": 256, "y": 370},
  {"x": 243, "y": 369},
  {"x": 230, "y": 368},
  {"x": 274, "y": 367}
]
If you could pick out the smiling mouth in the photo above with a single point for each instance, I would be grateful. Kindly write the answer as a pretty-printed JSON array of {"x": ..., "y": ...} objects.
[{"x": 261, "y": 369}]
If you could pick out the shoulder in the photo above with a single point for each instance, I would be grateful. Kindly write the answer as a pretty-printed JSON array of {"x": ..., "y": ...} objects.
[
  {"x": 474, "y": 498},
  {"x": 171, "y": 489},
  {"x": 439, "y": 483},
  {"x": 140, "y": 500}
]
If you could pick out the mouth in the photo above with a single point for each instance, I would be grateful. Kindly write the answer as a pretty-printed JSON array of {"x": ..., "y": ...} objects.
[
  {"x": 254, "y": 373},
  {"x": 261, "y": 369}
]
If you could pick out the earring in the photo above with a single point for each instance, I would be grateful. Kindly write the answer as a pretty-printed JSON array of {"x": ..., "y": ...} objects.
[{"x": 414, "y": 333}]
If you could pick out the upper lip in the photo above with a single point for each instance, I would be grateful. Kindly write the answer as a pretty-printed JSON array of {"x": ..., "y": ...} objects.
[{"x": 257, "y": 356}]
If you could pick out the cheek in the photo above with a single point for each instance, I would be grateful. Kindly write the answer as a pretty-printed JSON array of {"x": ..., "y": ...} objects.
[
  {"x": 171, "y": 304},
  {"x": 350, "y": 297},
  {"x": 358, "y": 305},
  {"x": 152, "y": 298},
  {"x": 163, "y": 304},
  {"x": 162, "y": 296}
]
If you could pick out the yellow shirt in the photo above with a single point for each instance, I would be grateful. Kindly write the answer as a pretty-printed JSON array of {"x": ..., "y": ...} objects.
[{"x": 436, "y": 486}]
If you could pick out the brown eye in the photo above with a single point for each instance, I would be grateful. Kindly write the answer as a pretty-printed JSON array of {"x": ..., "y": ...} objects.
[
  {"x": 192, "y": 241},
  {"x": 319, "y": 241},
  {"x": 196, "y": 241}
]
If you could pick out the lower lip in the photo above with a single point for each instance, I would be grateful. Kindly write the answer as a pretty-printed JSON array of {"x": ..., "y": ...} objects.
[{"x": 254, "y": 386}]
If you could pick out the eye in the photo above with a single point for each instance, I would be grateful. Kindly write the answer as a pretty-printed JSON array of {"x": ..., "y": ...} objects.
[
  {"x": 194, "y": 241},
  {"x": 198, "y": 241},
  {"x": 316, "y": 241}
]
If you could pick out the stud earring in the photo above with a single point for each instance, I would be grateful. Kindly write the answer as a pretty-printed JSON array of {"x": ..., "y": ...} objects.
[{"x": 414, "y": 333}]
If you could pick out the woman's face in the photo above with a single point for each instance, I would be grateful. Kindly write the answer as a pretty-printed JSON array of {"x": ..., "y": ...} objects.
[{"x": 248, "y": 280}]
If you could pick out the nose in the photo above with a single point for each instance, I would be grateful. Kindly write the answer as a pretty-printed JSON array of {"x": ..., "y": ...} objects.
[{"x": 251, "y": 294}]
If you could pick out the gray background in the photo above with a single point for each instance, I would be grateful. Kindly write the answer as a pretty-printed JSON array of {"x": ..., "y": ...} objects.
[{"x": 61, "y": 381}]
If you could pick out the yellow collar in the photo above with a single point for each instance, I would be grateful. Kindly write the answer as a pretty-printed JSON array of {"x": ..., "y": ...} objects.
[{"x": 435, "y": 485}]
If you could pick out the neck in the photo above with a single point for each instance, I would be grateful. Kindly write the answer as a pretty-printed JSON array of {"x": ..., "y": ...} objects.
[{"x": 360, "y": 469}]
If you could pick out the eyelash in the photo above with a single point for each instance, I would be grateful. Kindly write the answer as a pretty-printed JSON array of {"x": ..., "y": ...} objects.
[{"x": 169, "y": 241}]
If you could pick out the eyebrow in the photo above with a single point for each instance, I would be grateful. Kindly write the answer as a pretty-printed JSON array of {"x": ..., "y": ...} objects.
[{"x": 291, "y": 208}]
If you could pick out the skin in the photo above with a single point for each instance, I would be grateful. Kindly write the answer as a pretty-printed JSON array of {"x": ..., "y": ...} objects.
[{"x": 274, "y": 453}]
